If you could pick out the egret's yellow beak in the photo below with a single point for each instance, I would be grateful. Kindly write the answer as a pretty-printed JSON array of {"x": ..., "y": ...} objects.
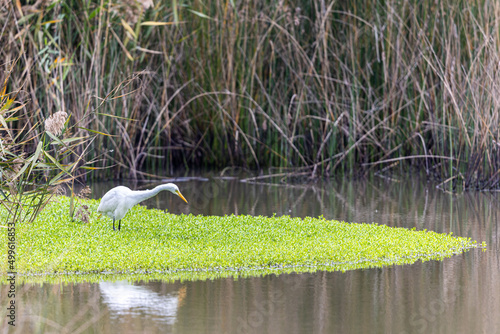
[
  {"x": 100, "y": 215},
  {"x": 180, "y": 195}
]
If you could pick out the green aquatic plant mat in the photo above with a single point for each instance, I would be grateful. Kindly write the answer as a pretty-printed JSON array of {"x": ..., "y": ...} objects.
[{"x": 193, "y": 247}]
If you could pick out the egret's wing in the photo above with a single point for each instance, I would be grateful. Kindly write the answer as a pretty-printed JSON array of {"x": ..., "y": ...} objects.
[{"x": 110, "y": 201}]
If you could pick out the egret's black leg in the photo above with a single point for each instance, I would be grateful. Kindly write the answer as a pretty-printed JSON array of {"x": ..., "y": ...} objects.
[
  {"x": 119, "y": 223},
  {"x": 114, "y": 224}
]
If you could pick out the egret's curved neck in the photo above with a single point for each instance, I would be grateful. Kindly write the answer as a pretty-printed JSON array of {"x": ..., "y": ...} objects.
[{"x": 142, "y": 195}]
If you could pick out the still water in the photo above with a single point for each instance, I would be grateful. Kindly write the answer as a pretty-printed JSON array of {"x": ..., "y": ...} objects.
[{"x": 458, "y": 295}]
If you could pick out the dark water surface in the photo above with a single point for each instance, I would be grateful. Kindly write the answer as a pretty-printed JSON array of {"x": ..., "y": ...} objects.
[{"x": 458, "y": 295}]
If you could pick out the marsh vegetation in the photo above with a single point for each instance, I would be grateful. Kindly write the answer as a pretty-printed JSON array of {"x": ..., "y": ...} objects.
[
  {"x": 307, "y": 87},
  {"x": 181, "y": 246}
]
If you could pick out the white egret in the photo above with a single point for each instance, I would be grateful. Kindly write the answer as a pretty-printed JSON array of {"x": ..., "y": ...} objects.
[{"x": 117, "y": 201}]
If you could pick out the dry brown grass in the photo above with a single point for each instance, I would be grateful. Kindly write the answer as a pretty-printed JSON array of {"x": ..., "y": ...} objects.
[{"x": 320, "y": 87}]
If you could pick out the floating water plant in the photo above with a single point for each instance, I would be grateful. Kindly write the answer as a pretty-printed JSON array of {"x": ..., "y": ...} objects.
[{"x": 196, "y": 247}]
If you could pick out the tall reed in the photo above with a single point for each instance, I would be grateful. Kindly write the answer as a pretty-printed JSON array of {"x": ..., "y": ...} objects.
[
  {"x": 29, "y": 178},
  {"x": 320, "y": 87}
]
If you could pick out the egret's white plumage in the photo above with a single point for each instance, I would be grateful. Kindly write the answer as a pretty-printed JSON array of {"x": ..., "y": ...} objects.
[{"x": 117, "y": 201}]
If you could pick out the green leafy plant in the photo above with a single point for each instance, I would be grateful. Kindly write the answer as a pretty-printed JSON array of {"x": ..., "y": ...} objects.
[
  {"x": 36, "y": 160},
  {"x": 154, "y": 241}
]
